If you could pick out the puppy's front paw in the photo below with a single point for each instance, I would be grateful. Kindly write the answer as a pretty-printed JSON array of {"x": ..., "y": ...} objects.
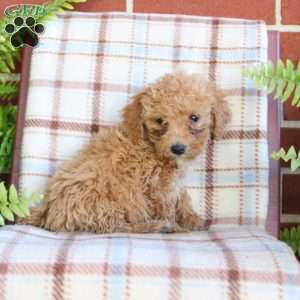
[
  {"x": 192, "y": 223},
  {"x": 173, "y": 228},
  {"x": 166, "y": 229}
]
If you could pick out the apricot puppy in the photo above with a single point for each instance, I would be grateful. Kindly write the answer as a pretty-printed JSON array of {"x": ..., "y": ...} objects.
[{"x": 127, "y": 179}]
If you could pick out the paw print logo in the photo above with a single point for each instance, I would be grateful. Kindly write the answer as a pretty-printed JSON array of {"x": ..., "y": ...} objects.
[{"x": 24, "y": 31}]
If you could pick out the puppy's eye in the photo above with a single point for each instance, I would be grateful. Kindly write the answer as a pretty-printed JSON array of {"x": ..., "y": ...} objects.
[
  {"x": 159, "y": 121},
  {"x": 194, "y": 118}
]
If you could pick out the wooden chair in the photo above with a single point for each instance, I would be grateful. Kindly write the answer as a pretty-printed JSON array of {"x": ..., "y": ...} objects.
[{"x": 239, "y": 262}]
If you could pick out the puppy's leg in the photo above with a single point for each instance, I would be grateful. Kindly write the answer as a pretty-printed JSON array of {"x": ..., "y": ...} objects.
[
  {"x": 164, "y": 209},
  {"x": 185, "y": 215}
]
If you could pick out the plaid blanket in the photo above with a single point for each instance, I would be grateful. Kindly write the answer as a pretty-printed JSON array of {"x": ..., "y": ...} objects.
[
  {"x": 242, "y": 263},
  {"x": 88, "y": 65},
  {"x": 84, "y": 71}
]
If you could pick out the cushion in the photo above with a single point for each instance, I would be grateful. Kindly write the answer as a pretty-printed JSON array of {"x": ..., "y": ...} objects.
[
  {"x": 88, "y": 65},
  {"x": 237, "y": 263}
]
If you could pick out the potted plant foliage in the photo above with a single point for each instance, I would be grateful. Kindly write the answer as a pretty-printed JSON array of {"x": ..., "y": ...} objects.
[
  {"x": 283, "y": 80},
  {"x": 12, "y": 204}
]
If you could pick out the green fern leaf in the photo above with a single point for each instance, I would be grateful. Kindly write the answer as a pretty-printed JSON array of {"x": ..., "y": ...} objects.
[
  {"x": 3, "y": 194},
  {"x": 279, "y": 68},
  {"x": 46, "y": 18},
  {"x": 2, "y": 221},
  {"x": 67, "y": 5},
  {"x": 297, "y": 77},
  {"x": 290, "y": 155},
  {"x": 294, "y": 246},
  {"x": 13, "y": 195},
  {"x": 271, "y": 86},
  {"x": 60, "y": 10},
  {"x": 16, "y": 210},
  {"x": 291, "y": 237},
  {"x": 24, "y": 208},
  {"x": 6, "y": 213},
  {"x": 24, "y": 203},
  {"x": 8, "y": 90},
  {"x": 279, "y": 90},
  {"x": 258, "y": 81},
  {"x": 3, "y": 48},
  {"x": 298, "y": 233},
  {"x": 290, "y": 75},
  {"x": 293, "y": 233},
  {"x": 277, "y": 155},
  {"x": 264, "y": 81},
  {"x": 7, "y": 134},
  {"x": 296, "y": 96},
  {"x": 9, "y": 55},
  {"x": 4, "y": 67},
  {"x": 14, "y": 206},
  {"x": 288, "y": 91},
  {"x": 9, "y": 59},
  {"x": 286, "y": 234},
  {"x": 295, "y": 164},
  {"x": 284, "y": 80},
  {"x": 55, "y": 7}
]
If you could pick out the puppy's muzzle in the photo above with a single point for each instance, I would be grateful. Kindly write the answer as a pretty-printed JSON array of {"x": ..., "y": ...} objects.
[{"x": 178, "y": 149}]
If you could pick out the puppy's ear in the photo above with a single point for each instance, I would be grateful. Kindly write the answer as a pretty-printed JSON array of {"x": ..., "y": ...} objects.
[
  {"x": 132, "y": 117},
  {"x": 221, "y": 115}
]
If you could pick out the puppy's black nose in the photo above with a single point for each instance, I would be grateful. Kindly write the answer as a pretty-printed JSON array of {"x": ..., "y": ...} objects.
[{"x": 178, "y": 149}]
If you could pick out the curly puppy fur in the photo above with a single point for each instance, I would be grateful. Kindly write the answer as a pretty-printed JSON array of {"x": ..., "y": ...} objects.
[{"x": 127, "y": 178}]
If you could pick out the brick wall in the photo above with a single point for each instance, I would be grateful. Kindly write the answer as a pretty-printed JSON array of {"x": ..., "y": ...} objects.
[{"x": 282, "y": 15}]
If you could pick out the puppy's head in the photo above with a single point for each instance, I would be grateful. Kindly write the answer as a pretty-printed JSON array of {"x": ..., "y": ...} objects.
[{"x": 177, "y": 115}]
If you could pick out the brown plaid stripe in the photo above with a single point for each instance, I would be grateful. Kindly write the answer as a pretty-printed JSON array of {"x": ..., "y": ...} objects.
[
  {"x": 209, "y": 192},
  {"x": 59, "y": 267},
  {"x": 153, "y": 271}
]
